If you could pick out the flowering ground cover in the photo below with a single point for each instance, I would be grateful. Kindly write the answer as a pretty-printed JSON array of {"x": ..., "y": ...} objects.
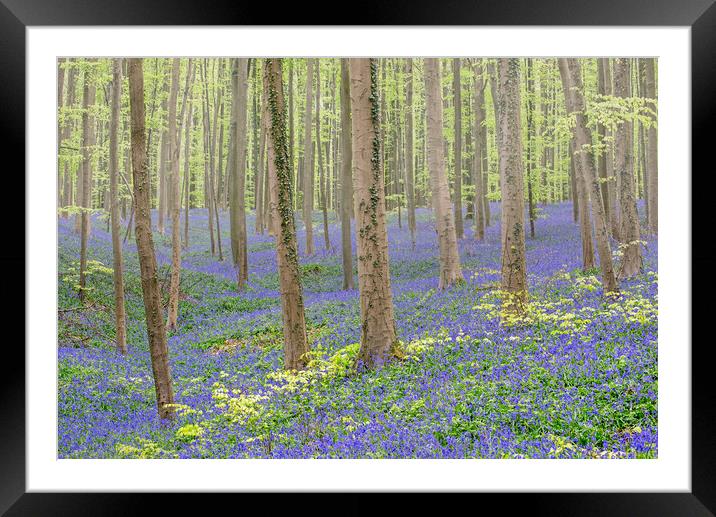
[{"x": 576, "y": 378}]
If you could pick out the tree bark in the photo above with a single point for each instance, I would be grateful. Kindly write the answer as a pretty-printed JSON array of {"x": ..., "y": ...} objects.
[
  {"x": 457, "y": 102},
  {"x": 604, "y": 155},
  {"x": 308, "y": 161},
  {"x": 571, "y": 75},
  {"x": 514, "y": 271},
  {"x": 164, "y": 165},
  {"x": 530, "y": 137},
  {"x": 207, "y": 160},
  {"x": 652, "y": 155},
  {"x": 450, "y": 270},
  {"x": 117, "y": 265},
  {"x": 409, "y": 143},
  {"x": 88, "y": 141},
  {"x": 321, "y": 170},
  {"x": 237, "y": 169},
  {"x": 378, "y": 337},
  {"x": 145, "y": 247},
  {"x": 346, "y": 177},
  {"x": 294, "y": 322},
  {"x": 630, "y": 247},
  {"x": 173, "y": 198},
  {"x": 480, "y": 150},
  {"x": 614, "y": 223},
  {"x": 187, "y": 167}
]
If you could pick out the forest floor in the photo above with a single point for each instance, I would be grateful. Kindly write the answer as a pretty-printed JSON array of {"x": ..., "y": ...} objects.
[{"x": 576, "y": 379}]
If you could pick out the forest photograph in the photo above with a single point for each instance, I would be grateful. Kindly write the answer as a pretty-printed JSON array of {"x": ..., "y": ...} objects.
[{"x": 357, "y": 258}]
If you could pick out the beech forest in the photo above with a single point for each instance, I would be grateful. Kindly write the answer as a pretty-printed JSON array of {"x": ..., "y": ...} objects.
[{"x": 357, "y": 257}]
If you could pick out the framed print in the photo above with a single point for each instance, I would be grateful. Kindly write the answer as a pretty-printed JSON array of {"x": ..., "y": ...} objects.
[{"x": 426, "y": 252}]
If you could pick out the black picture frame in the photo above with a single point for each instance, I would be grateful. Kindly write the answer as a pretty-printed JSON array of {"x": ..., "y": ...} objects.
[{"x": 700, "y": 15}]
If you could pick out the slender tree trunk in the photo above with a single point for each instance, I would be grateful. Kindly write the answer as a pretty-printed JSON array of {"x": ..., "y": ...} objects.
[
  {"x": 631, "y": 262},
  {"x": 321, "y": 170},
  {"x": 164, "y": 165},
  {"x": 603, "y": 155},
  {"x": 346, "y": 176},
  {"x": 117, "y": 265},
  {"x": 409, "y": 144},
  {"x": 585, "y": 223},
  {"x": 187, "y": 169},
  {"x": 158, "y": 349},
  {"x": 573, "y": 186},
  {"x": 218, "y": 104},
  {"x": 514, "y": 272},
  {"x": 173, "y": 198},
  {"x": 450, "y": 270},
  {"x": 480, "y": 150},
  {"x": 570, "y": 72},
  {"x": 612, "y": 188},
  {"x": 294, "y": 322},
  {"x": 259, "y": 173},
  {"x": 270, "y": 181},
  {"x": 237, "y": 169},
  {"x": 88, "y": 141},
  {"x": 207, "y": 160},
  {"x": 457, "y": 101},
  {"x": 378, "y": 337},
  {"x": 308, "y": 161},
  {"x": 652, "y": 155},
  {"x": 530, "y": 137},
  {"x": 60, "y": 104}
]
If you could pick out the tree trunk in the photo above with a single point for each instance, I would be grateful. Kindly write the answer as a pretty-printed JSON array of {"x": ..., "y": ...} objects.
[
  {"x": 321, "y": 170},
  {"x": 237, "y": 169},
  {"x": 571, "y": 75},
  {"x": 585, "y": 224},
  {"x": 259, "y": 172},
  {"x": 450, "y": 270},
  {"x": 378, "y": 337},
  {"x": 173, "y": 198},
  {"x": 145, "y": 247},
  {"x": 308, "y": 161},
  {"x": 207, "y": 160},
  {"x": 630, "y": 247},
  {"x": 218, "y": 104},
  {"x": 613, "y": 203},
  {"x": 346, "y": 177},
  {"x": 187, "y": 169},
  {"x": 117, "y": 264},
  {"x": 457, "y": 102},
  {"x": 604, "y": 155},
  {"x": 514, "y": 272},
  {"x": 409, "y": 143},
  {"x": 652, "y": 155},
  {"x": 164, "y": 165},
  {"x": 88, "y": 141},
  {"x": 530, "y": 137},
  {"x": 294, "y": 323},
  {"x": 480, "y": 150}
]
